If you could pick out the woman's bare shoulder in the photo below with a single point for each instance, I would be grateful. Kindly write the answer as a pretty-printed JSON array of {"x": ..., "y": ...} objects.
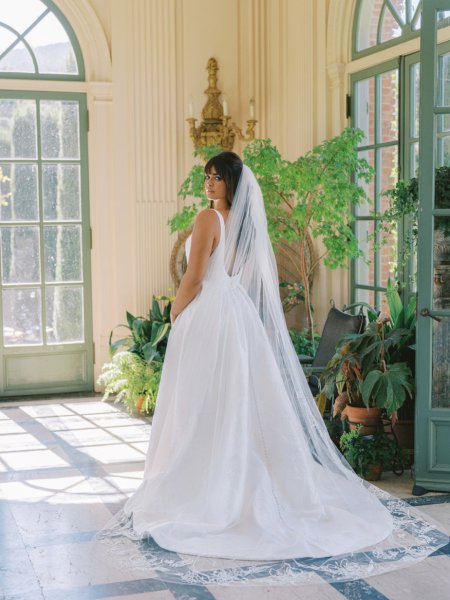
[{"x": 205, "y": 218}]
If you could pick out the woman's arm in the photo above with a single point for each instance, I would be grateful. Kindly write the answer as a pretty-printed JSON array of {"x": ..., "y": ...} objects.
[{"x": 201, "y": 247}]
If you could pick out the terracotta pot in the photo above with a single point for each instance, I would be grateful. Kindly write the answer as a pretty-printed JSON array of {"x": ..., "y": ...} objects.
[
  {"x": 373, "y": 473},
  {"x": 369, "y": 418},
  {"x": 139, "y": 403}
]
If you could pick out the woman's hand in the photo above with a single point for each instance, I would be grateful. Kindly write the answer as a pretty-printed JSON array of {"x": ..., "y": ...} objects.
[{"x": 173, "y": 316}]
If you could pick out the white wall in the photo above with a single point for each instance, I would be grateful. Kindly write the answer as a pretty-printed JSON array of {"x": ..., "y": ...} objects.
[{"x": 140, "y": 150}]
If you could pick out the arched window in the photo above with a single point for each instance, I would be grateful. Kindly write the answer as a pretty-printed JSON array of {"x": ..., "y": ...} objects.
[
  {"x": 385, "y": 105},
  {"x": 45, "y": 315},
  {"x": 380, "y": 23},
  {"x": 37, "y": 41}
]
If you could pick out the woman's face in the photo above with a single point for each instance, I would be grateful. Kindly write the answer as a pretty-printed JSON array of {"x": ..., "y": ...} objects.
[{"x": 215, "y": 187}]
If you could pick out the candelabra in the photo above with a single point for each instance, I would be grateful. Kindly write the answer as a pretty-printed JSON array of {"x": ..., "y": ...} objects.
[{"x": 215, "y": 127}]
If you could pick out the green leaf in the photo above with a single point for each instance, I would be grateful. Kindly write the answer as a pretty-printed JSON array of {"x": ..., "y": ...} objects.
[
  {"x": 149, "y": 352},
  {"x": 159, "y": 332},
  {"x": 155, "y": 311},
  {"x": 130, "y": 319},
  {"x": 395, "y": 304},
  {"x": 368, "y": 386}
]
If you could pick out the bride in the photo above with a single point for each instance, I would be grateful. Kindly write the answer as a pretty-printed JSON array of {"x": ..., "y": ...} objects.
[{"x": 240, "y": 465}]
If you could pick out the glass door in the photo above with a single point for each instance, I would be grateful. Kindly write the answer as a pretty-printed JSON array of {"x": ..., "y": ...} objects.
[
  {"x": 432, "y": 460},
  {"x": 46, "y": 333}
]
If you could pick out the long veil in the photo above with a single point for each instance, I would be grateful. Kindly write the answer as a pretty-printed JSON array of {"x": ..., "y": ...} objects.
[{"x": 250, "y": 261}]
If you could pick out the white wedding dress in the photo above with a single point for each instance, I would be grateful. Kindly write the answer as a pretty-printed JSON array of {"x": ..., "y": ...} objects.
[{"x": 230, "y": 472}]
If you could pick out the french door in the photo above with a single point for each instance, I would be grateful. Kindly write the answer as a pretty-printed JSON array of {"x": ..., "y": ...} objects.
[
  {"x": 432, "y": 463},
  {"x": 46, "y": 330}
]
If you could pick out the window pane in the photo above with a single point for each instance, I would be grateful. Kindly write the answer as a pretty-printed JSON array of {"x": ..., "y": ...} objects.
[
  {"x": 6, "y": 38},
  {"x": 22, "y": 322},
  {"x": 441, "y": 292},
  {"x": 21, "y": 192},
  {"x": 18, "y": 60},
  {"x": 20, "y": 254},
  {"x": 365, "y": 209},
  {"x": 388, "y": 111},
  {"x": 444, "y": 80},
  {"x": 415, "y": 99},
  {"x": 62, "y": 253},
  {"x": 400, "y": 7},
  {"x": 365, "y": 109},
  {"x": 441, "y": 364},
  {"x": 390, "y": 27},
  {"x": 64, "y": 309},
  {"x": 61, "y": 192},
  {"x": 367, "y": 24},
  {"x": 17, "y": 129},
  {"x": 388, "y": 256},
  {"x": 443, "y": 14},
  {"x": 388, "y": 172},
  {"x": 365, "y": 296},
  {"x": 364, "y": 273},
  {"x": 414, "y": 166},
  {"x": 59, "y": 129},
  {"x": 21, "y": 15},
  {"x": 52, "y": 47}
]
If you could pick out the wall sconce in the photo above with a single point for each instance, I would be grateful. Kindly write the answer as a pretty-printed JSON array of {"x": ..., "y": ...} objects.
[{"x": 215, "y": 128}]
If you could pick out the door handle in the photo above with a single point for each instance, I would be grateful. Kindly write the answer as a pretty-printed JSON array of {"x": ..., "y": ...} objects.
[{"x": 426, "y": 313}]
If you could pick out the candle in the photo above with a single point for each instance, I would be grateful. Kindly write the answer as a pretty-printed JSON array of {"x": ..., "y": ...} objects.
[
  {"x": 225, "y": 106},
  {"x": 191, "y": 108},
  {"x": 252, "y": 108}
]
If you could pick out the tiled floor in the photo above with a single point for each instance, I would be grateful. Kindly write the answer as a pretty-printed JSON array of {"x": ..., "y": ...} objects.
[{"x": 65, "y": 467}]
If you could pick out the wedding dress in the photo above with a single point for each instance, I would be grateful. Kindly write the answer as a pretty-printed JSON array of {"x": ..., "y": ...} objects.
[{"x": 240, "y": 469}]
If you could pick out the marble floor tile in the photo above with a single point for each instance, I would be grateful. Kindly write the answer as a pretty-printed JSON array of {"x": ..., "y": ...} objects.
[
  {"x": 19, "y": 441},
  {"x": 70, "y": 423},
  {"x": 321, "y": 591},
  {"x": 17, "y": 576},
  {"x": 107, "y": 454},
  {"x": 41, "y": 519},
  {"x": 427, "y": 579},
  {"x": 163, "y": 595},
  {"x": 7, "y": 426},
  {"x": 85, "y": 437},
  {"x": 45, "y": 410},
  {"x": 82, "y": 564},
  {"x": 42, "y": 459},
  {"x": 94, "y": 407},
  {"x": 440, "y": 513},
  {"x": 108, "y": 420}
]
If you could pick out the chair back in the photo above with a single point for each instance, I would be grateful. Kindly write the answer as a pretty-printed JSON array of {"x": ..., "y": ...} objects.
[{"x": 337, "y": 325}]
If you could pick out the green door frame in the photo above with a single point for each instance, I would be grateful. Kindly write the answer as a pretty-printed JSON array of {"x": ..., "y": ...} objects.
[
  {"x": 432, "y": 460},
  {"x": 83, "y": 352}
]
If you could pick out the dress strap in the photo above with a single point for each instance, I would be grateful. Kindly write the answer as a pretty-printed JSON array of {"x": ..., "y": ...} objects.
[{"x": 222, "y": 225}]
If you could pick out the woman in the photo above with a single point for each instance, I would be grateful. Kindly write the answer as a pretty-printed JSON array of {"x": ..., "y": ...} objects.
[{"x": 240, "y": 465}]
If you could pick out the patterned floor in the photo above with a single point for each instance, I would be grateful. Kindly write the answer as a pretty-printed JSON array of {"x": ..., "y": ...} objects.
[{"x": 66, "y": 466}]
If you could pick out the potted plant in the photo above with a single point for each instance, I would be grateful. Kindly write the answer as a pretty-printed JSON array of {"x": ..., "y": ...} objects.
[
  {"x": 132, "y": 380},
  {"x": 368, "y": 455},
  {"x": 134, "y": 372},
  {"x": 313, "y": 195},
  {"x": 371, "y": 370}
]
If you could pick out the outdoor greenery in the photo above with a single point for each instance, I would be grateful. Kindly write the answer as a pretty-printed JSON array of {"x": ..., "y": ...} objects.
[
  {"x": 373, "y": 368},
  {"x": 134, "y": 372},
  {"x": 363, "y": 453},
  {"x": 314, "y": 194}
]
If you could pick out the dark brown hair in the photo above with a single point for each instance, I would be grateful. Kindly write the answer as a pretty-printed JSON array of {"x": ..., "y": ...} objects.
[{"x": 229, "y": 166}]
